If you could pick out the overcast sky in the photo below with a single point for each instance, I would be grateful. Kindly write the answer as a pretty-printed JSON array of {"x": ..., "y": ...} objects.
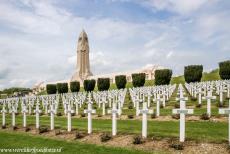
[{"x": 38, "y": 37}]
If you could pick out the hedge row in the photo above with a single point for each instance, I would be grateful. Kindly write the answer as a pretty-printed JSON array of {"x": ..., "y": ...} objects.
[{"x": 192, "y": 73}]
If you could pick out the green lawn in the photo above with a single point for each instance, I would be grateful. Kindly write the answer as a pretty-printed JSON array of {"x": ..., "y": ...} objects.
[
  {"x": 200, "y": 131},
  {"x": 12, "y": 140}
]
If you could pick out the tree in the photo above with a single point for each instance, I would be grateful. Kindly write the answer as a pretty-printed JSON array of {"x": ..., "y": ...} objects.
[
  {"x": 193, "y": 73},
  {"x": 89, "y": 85},
  {"x": 62, "y": 88},
  {"x": 51, "y": 89},
  {"x": 103, "y": 84},
  {"x": 138, "y": 79},
  {"x": 163, "y": 76},
  {"x": 224, "y": 70},
  {"x": 74, "y": 86},
  {"x": 120, "y": 81}
]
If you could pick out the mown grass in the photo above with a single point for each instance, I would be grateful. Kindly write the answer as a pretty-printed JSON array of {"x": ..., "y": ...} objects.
[
  {"x": 12, "y": 140},
  {"x": 196, "y": 130}
]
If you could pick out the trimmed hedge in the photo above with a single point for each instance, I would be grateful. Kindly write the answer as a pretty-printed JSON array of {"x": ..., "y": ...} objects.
[
  {"x": 103, "y": 84},
  {"x": 74, "y": 86},
  {"x": 193, "y": 73},
  {"x": 224, "y": 70},
  {"x": 163, "y": 77},
  {"x": 62, "y": 88},
  {"x": 138, "y": 79},
  {"x": 51, "y": 89},
  {"x": 120, "y": 81},
  {"x": 89, "y": 85}
]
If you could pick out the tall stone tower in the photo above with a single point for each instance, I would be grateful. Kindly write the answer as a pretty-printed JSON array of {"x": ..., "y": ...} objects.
[{"x": 83, "y": 66}]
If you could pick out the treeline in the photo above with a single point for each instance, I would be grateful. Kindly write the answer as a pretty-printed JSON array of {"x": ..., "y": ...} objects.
[
  {"x": 192, "y": 73},
  {"x": 11, "y": 91}
]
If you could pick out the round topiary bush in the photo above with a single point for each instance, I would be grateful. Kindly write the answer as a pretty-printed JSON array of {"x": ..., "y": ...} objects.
[
  {"x": 193, "y": 73},
  {"x": 120, "y": 81},
  {"x": 51, "y": 89},
  {"x": 62, "y": 88},
  {"x": 103, "y": 84},
  {"x": 89, "y": 85},
  {"x": 163, "y": 77},
  {"x": 74, "y": 86},
  {"x": 224, "y": 70},
  {"x": 138, "y": 79}
]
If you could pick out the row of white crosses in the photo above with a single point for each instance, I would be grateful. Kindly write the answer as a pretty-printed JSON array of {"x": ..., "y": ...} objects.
[
  {"x": 110, "y": 97},
  {"x": 182, "y": 111},
  {"x": 159, "y": 94},
  {"x": 205, "y": 91}
]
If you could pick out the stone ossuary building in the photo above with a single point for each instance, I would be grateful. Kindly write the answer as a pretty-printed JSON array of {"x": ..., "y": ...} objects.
[{"x": 83, "y": 71}]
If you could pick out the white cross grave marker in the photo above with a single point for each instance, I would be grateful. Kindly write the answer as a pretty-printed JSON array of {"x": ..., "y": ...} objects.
[
  {"x": 89, "y": 111},
  {"x": 3, "y": 111},
  {"x": 52, "y": 112},
  {"x": 114, "y": 113},
  {"x": 24, "y": 111},
  {"x": 69, "y": 112},
  {"x": 144, "y": 113},
  {"x": 209, "y": 97},
  {"x": 37, "y": 112},
  {"x": 227, "y": 111}
]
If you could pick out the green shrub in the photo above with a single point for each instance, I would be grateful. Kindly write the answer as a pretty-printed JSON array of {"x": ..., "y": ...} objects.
[
  {"x": 105, "y": 137},
  {"x": 62, "y": 88},
  {"x": 177, "y": 146},
  {"x": 51, "y": 89},
  {"x": 103, "y": 84},
  {"x": 224, "y": 70},
  {"x": 43, "y": 130},
  {"x": 137, "y": 140},
  {"x": 163, "y": 77},
  {"x": 193, "y": 73},
  {"x": 74, "y": 86},
  {"x": 89, "y": 85},
  {"x": 138, "y": 79},
  {"x": 204, "y": 116},
  {"x": 130, "y": 116},
  {"x": 79, "y": 135},
  {"x": 120, "y": 81}
]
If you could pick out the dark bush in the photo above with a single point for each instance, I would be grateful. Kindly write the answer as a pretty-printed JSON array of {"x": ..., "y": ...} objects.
[
  {"x": 176, "y": 116},
  {"x": 82, "y": 114},
  {"x": 204, "y": 116},
  {"x": 153, "y": 116},
  {"x": 130, "y": 116},
  {"x": 137, "y": 140},
  {"x": 120, "y": 81},
  {"x": 51, "y": 89},
  {"x": 224, "y": 70},
  {"x": 79, "y": 135},
  {"x": 199, "y": 105},
  {"x": 74, "y": 86},
  {"x": 26, "y": 129},
  {"x": 99, "y": 115},
  {"x": 103, "y": 84},
  {"x": 4, "y": 127},
  {"x": 89, "y": 85},
  {"x": 193, "y": 73},
  {"x": 163, "y": 77},
  {"x": 177, "y": 146},
  {"x": 138, "y": 79},
  {"x": 62, "y": 88},
  {"x": 193, "y": 99},
  {"x": 105, "y": 137},
  {"x": 177, "y": 105},
  {"x": 43, "y": 130},
  {"x": 59, "y": 114}
]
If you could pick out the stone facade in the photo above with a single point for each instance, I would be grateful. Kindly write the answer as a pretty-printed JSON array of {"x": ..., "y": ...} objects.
[{"x": 83, "y": 66}]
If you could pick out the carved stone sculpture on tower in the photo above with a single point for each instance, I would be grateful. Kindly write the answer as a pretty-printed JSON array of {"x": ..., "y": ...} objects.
[{"x": 83, "y": 66}]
